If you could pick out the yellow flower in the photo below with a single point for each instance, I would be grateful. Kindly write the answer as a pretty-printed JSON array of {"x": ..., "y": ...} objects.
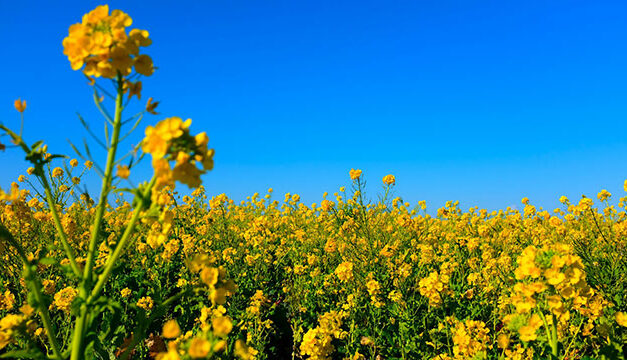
[
  {"x": 470, "y": 338},
  {"x": 373, "y": 287},
  {"x": 140, "y": 37},
  {"x": 621, "y": 319},
  {"x": 171, "y": 354},
  {"x": 220, "y": 345},
  {"x": 100, "y": 44},
  {"x": 433, "y": 287},
  {"x": 57, "y": 172},
  {"x": 218, "y": 296},
  {"x": 554, "y": 276},
  {"x": 89, "y": 164},
  {"x": 209, "y": 276},
  {"x": 63, "y": 299},
  {"x": 143, "y": 65},
  {"x": 389, "y": 179},
  {"x": 8, "y": 324},
  {"x": 145, "y": 303},
  {"x": 188, "y": 174},
  {"x": 244, "y": 351},
  {"x": 344, "y": 271},
  {"x": 355, "y": 174},
  {"x": 49, "y": 286},
  {"x": 123, "y": 171},
  {"x": 7, "y": 301},
  {"x": 163, "y": 173},
  {"x": 171, "y": 329},
  {"x": 154, "y": 143},
  {"x": 172, "y": 127},
  {"x": 126, "y": 292},
  {"x": 502, "y": 341},
  {"x": 528, "y": 332},
  {"x": 20, "y": 105},
  {"x": 199, "y": 348},
  {"x": 526, "y": 264},
  {"x": 170, "y": 140},
  {"x": 222, "y": 325},
  {"x": 395, "y": 296},
  {"x": 603, "y": 195}
]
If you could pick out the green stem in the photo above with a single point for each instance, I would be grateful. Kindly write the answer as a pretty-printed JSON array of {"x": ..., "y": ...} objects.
[
  {"x": 78, "y": 334},
  {"x": 117, "y": 252},
  {"x": 551, "y": 336},
  {"x": 85, "y": 289},
  {"x": 34, "y": 280},
  {"x": 574, "y": 337},
  {"x": 77, "y": 341},
  {"x": 106, "y": 184},
  {"x": 57, "y": 223}
]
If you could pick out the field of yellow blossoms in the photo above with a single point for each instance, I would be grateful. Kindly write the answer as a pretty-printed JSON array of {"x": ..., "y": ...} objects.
[
  {"x": 147, "y": 272},
  {"x": 342, "y": 279}
]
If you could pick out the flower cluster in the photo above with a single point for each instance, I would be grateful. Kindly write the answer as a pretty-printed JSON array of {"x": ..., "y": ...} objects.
[
  {"x": 171, "y": 140},
  {"x": 470, "y": 339},
  {"x": 7, "y": 301},
  {"x": 64, "y": 298},
  {"x": 145, "y": 303},
  {"x": 551, "y": 285},
  {"x": 344, "y": 271},
  {"x": 214, "y": 324},
  {"x": 317, "y": 341},
  {"x": 214, "y": 278},
  {"x": 101, "y": 44},
  {"x": 374, "y": 289},
  {"x": 389, "y": 179},
  {"x": 433, "y": 287},
  {"x": 354, "y": 174},
  {"x": 12, "y": 325}
]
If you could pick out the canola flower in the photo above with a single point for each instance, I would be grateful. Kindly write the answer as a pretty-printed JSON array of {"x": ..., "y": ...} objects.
[
  {"x": 171, "y": 140},
  {"x": 101, "y": 44},
  {"x": 20, "y": 105},
  {"x": 389, "y": 179},
  {"x": 344, "y": 271},
  {"x": 64, "y": 298},
  {"x": 317, "y": 342},
  {"x": 355, "y": 174}
]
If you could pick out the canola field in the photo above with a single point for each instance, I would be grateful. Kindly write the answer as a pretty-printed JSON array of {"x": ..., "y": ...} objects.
[
  {"x": 341, "y": 279},
  {"x": 147, "y": 272}
]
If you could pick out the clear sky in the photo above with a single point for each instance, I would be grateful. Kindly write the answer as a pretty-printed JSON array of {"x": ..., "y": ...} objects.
[{"x": 479, "y": 101}]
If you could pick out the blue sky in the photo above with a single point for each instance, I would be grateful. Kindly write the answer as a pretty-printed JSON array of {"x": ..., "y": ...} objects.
[{"x": 483, "y": 102}]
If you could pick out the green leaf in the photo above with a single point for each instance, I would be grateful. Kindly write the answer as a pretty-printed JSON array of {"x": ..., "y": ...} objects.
[
  {"x": 23, "y": 354},
  {"x": 37, "y": 144}
]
